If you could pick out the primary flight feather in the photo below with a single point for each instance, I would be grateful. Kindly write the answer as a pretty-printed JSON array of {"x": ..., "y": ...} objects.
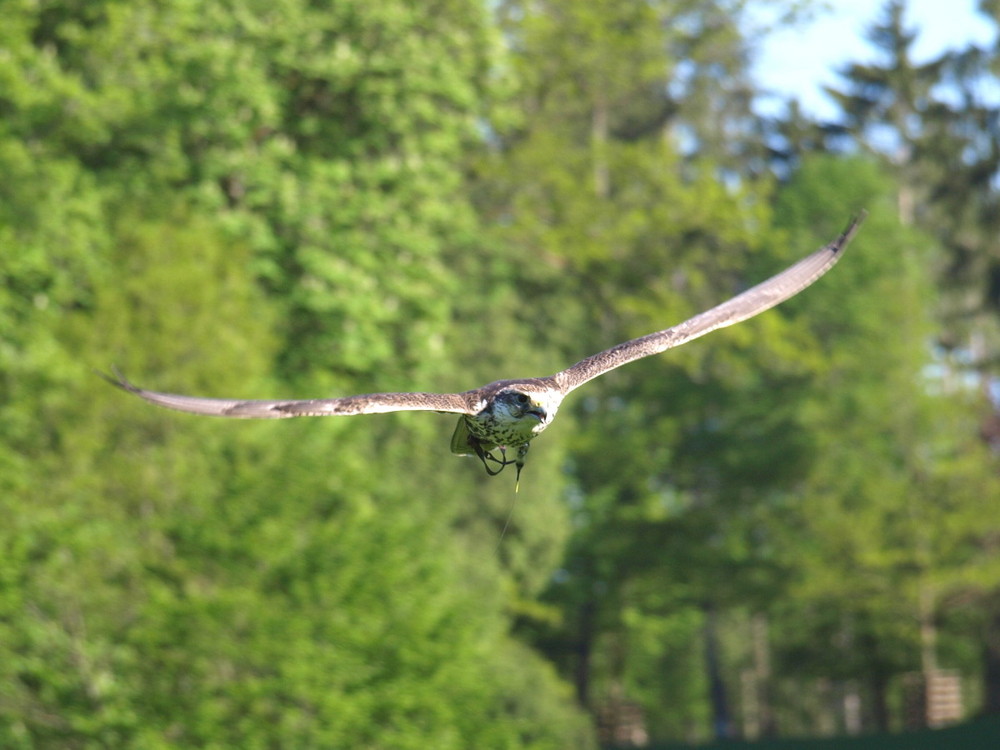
[{"x": 508, "y": 414}]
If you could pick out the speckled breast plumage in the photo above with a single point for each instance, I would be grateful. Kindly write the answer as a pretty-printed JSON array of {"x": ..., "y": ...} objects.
[{"x": 490, "y": 428}]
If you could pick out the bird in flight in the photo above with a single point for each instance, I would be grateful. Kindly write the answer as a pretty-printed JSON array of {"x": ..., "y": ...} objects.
[{"x": 508, "y": 414}]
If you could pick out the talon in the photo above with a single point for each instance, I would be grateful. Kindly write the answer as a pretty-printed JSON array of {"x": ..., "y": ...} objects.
[{"x": 486, "y": 456}]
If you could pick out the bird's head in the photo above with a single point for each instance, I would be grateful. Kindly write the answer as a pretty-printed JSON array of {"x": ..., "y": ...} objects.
[{"x": 532, "y": 409}]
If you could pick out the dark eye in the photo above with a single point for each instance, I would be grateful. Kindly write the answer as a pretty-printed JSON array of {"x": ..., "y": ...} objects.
[{"x": 521, "y": 398}]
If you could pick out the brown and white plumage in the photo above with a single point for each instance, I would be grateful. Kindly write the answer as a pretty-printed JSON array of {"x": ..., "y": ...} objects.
[{"x": 509, "y": 413}]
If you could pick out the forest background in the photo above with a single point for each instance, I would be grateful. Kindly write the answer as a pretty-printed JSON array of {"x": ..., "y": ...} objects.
[{"x": 767, "y": 532}]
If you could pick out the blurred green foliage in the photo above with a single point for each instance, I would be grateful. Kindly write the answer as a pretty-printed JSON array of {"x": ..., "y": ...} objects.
[{"x": 256, "y": 199}]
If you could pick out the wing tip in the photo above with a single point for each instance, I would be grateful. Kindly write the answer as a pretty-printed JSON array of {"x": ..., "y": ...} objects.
[
  {"x": 169, "y": 400},
  {"x": 117, "y": 379},
  {"x": 847, "y": 235}
]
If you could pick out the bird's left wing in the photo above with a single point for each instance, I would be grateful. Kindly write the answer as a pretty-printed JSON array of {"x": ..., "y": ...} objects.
[
  {"x": 755, "y": 300},
  {"x": 369, "y": 403}
]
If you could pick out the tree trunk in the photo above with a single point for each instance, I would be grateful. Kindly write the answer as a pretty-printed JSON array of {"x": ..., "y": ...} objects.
[
  {"x": 880, "y": 702},
  {"x": 584, "y": 651},
  {"x": 762, "y": 668},
  {"x": 928, "y": 631},
  {"x": 721, "y": 720},
  {"x": 991, "y": 661}
]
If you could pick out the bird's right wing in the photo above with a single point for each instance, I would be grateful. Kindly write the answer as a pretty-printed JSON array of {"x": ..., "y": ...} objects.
[
  {"x": 369, "y": 403},
  {"x": 755, "y": 300}
]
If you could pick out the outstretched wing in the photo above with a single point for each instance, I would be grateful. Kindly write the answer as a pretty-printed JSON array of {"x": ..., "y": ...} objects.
[
  {"x": 369, "y": 403},
  {"x": 756, "y": 300}
]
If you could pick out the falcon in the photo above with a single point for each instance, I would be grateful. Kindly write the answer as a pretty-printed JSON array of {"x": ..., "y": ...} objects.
[{"x": 503, "y": 417}]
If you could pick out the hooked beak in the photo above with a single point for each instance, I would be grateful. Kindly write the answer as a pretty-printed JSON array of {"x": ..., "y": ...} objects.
[{"x": 537, "y": 412}]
